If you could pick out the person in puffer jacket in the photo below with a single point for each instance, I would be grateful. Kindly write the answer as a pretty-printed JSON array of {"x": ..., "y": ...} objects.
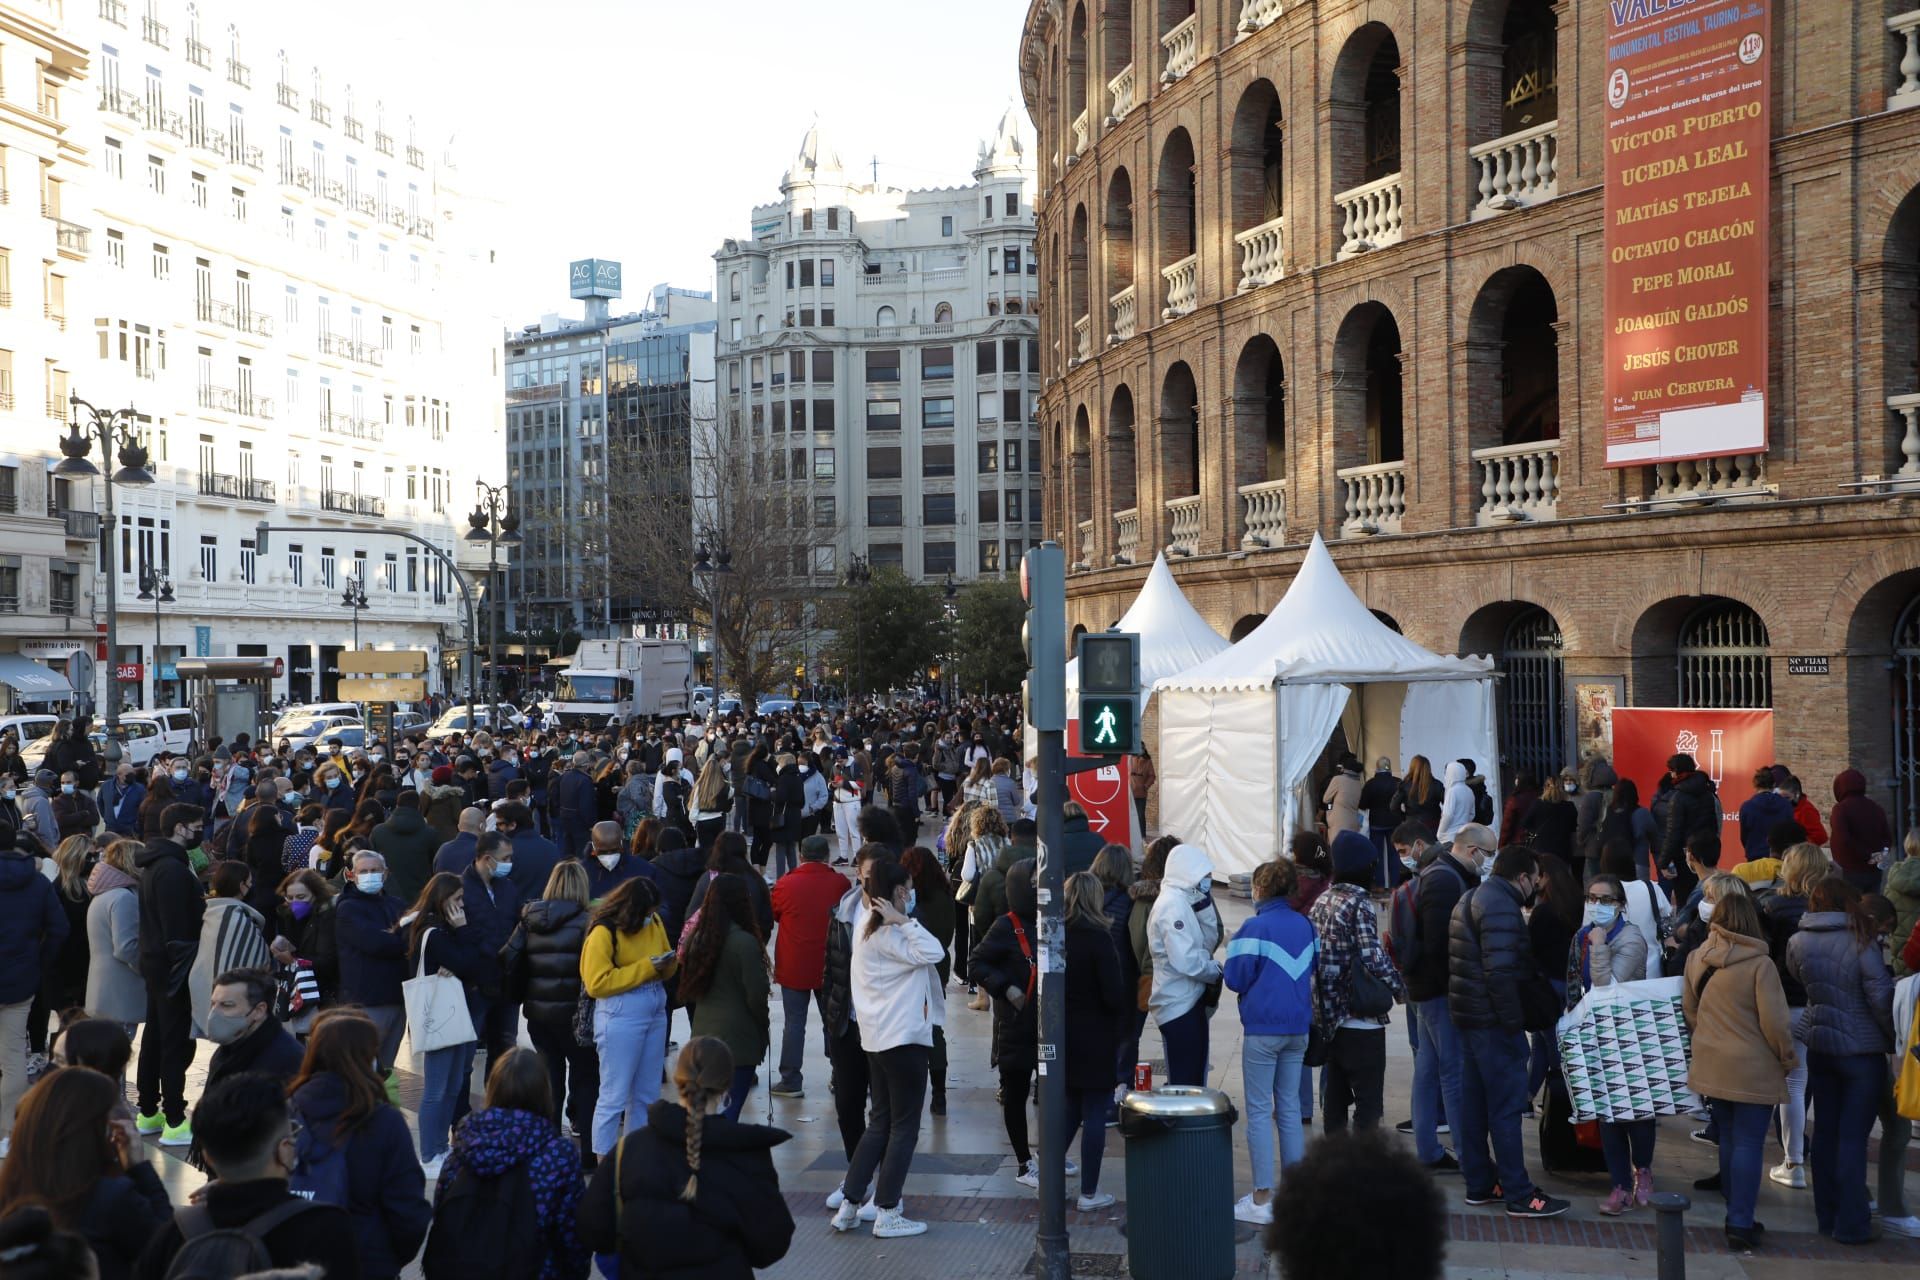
[
  {"x": 1183, "y": 932},
  {"x": 519, "y": 1126},
  {"x": 1848, "y": 1034},
  {"x": 1456, "y": 809},
  {"x": 1343, "y": 917},
  {"x": 1270, "y": 965},
  {"x": 542, "y": 963}
]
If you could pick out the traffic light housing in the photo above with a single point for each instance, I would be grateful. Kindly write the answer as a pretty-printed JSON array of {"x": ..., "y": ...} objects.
[
  {"x": 1043, "y": 585},
  {"x": 1109, "y": 698}
]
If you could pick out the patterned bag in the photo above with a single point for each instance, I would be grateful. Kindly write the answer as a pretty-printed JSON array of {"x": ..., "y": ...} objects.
[{"x": 1624, "y": 1049}]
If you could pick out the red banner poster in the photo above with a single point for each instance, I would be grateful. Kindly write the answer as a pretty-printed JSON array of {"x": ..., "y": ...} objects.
[
  {"x": 1104, "y": 793},
  {"x": 1687, "y": 230},
  {"x": 1728, "y": 746}
]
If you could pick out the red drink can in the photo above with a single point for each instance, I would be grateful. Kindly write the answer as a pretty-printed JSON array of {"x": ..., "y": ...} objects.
[{"x": 1143, "y": 1076}]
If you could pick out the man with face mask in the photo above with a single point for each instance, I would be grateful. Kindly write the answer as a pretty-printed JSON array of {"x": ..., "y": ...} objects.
[
  {"x": 372, "y": 957},
  {"x": 1436, "y": 1054},
  {"x": 1491, "y": 959},
  {"x": 608, "y": 865},
  {"x": 171, "y": 905},
  {"x": 493, "y": 907},
  {"x": 240, "y": 1020}
]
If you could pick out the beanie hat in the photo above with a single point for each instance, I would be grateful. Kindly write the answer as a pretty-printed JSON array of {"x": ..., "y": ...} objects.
[
  {"x": 442, "y": 775},
  {"x": 1353, "y": 854}
]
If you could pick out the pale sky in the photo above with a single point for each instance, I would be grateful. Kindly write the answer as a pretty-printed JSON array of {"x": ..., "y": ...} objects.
[{"x": 645, "y": 130}]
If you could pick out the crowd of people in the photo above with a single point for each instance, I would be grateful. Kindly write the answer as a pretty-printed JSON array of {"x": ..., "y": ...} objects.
[{"x": 304, "y": 910}]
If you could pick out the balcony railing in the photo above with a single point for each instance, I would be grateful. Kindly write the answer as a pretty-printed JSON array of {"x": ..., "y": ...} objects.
[
  {"x": 1079, "y": 135},
  {"x": 1262, "y": 253},
  {"x": 171, "y": 123},
  {"x": 1126, "y": 536},
  {"x": 155, "y": 33},
  {"x": 250, "y": 157},
  {"x": 368, "y": 505},
  {"x": 82, "y": 526},
  {"x": 1907, "y": 409},
  {"x": 1120, "y": 94},
  {"x": 119, "y": 102},
  {"x": 1086, "y": 546},
  {"x": 333, "y": 189},
  {"x": 1082, "y": 338},
  {"x": 383, "y": 142},
  {"x": 199, "y": 55},
  {"x": 416, "y": 157},
  {"x": 1183, "y": 48},
  {"x": 1518, "y": 482},
  {"x": 1263, "y": 514},
  {"x": 289, "y": 97},
  {"x": 1124, "y": 314},
  {"x": 341, "y": 424},
  {"x": 1375, "y": 498},
  {"x": 422, "y": 227},
  {"x": 336, "y": 500},
  {"x": 1183, "y": 286},
  {"x": 61, "y": 606},
  {"x": 1372, "y": 215},
  {"x": 1183, "y": 525},
  {"x": 59, "y": 318},
  {"x": 217, "y": 484},
  {"x": 1255, "y": 14},
  {"x": 207, "y": 140},
  {"x": 252, "y": 490},
  {"x": 1741, "y": 476},
  {"x": 239, "y": 73},
  {"x": 1517, "y": 170},
  {"x": 354, "y": 130},
  {"x": 319, "y": 112},
  {"x": 114, "y": 11},
  {"x": 221, "y": 399},
  {"x": 70, "y": 237},
  {"x": 209, "y": 311},
  {"x": 1907, "y": 27}
]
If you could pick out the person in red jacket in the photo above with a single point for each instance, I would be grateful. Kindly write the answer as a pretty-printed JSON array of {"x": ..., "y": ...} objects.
[
  {"x": 803, "y": 903},
  {"x": 1860, "y": 831},
  {"x": 1805, "y": 812}
]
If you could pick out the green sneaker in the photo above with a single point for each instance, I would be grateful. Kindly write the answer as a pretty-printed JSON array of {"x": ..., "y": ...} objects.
[
  {"x": 149, "y": 1123},
  {"x": 177, "y": 1135}
]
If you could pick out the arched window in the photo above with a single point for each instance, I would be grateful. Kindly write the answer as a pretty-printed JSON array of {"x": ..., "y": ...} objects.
[
  {"x": 733, "y": 286},
  {"x": 943, "y": 313},
  {"x": 1906, "y": 720},
  {"x": 883, "y": 319},
  {"x": 760, "y": 323},
  {"x": 1724, "y": 657},
  {"x": 1121, "y": 477},
  {"x": 1178, "y": 224},
  {"x": 1532, "y": 706}
]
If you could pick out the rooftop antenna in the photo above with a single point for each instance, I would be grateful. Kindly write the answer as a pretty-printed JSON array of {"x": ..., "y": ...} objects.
[{"x": 876, "y": 171}]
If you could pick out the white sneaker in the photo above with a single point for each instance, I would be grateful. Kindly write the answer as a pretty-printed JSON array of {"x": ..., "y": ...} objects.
[
  {"x": 1029, "y": 1175},
  {"x": 847, "y": 1217},
  {"x": 1098, "y": 1200},
  {"x": 1789, "y": 1174},
  {"x": 837, "y": 1197},
  {"x": 430, "y": 1169},
  {"x": 1072, "y": 1169},
  {"x": 1245, "y": 1210},
  {"x": 1908, "y": 1227},
  {"x": 871, "y": 1211},
  {"x": 893, "y": 1224}
]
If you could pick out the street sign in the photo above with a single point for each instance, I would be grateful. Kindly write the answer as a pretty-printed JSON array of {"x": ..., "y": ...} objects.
[
  {"x": 380, "y": 689},
  {"x": 383, "y": 662}
]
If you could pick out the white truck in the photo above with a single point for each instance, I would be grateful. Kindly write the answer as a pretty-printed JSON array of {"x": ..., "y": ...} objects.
[{"x": 623, "y": 680}]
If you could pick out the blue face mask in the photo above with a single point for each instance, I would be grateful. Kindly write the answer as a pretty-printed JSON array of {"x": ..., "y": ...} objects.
[
  {"x": 333, "y": 782},
  {"x": 369, "y": 881},
  {"x": 913, "y": 900},
  {"x": 1602, "y": 914},
  {"x": 502, "y": 869}
]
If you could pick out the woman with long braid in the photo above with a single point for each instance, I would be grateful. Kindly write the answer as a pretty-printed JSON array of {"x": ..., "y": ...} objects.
[{"x": 691, "y": 1192}]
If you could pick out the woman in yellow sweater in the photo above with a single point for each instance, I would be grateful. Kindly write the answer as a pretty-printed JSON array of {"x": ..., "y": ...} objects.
[{"x": 624, "y": 966}]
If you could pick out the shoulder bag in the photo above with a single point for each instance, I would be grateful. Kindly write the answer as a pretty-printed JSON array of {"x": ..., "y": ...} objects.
[{"x": 437, "y": 1015}]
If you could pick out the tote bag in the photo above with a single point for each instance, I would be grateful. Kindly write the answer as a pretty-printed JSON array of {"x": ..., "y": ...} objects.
[
  {"x": 1624, "y": 1050},
  {"x": 437, "y": 1016}
]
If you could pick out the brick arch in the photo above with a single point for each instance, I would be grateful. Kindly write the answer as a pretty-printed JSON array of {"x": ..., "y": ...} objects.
[
  {"x": 1865, "y": 576},
  {"x": 1879, "y": 203},
  {"x": 1482, "y": 592},
  {"x": 1774, "y": 609}
]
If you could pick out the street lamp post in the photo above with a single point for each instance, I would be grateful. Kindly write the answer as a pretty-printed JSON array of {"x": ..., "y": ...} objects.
[
  {"x": 948, "y": 611},
  {"x": 494, "y": 523},
  {"x": 113, "y": 429},
  {"x": 354, "y": 597},
  {"x": 712, "y": 565},
  {"x": 157, "y": 587},
  {"x": 859, "y": 574}
]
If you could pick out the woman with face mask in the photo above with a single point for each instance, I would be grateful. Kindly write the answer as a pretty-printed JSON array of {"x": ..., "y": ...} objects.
[
  {"x": 542, "y": 967},
  {"x": 305, "y": 919},
  {"x": 1609, "y": 949}
]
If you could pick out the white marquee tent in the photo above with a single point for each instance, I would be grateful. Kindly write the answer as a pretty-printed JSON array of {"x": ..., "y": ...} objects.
[
  {"x": 1241, "y": 731},
  {"x": 1173, "y": 635}
]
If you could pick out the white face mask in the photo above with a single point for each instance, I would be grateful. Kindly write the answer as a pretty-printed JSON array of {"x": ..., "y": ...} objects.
[
  {"x": 609, "y": 860},
  {"x": 1706, "y": 909}
]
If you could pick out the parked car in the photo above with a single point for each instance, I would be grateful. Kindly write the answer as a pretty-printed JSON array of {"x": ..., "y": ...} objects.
[
  {"x": 311, "y": 733},
  {"x": 311, "y": 711},
  {"x": 178, "y": 727},
  {"x": 455, "y": 720},
  {"x": 775, "y": 706},
  {"x": 407, "y": 721}
]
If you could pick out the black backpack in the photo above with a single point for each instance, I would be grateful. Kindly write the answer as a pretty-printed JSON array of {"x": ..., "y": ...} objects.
[
  {"x": 674, "y": 796},
  {"x": 485, "y": 1227},
  {"x": 211, "y": 1252}
]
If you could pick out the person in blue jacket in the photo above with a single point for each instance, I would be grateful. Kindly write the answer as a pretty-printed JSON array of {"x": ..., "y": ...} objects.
[
  {"x": 534, "y": 856},
  {"x": 492, "y": 904},
  {"x": 1270, "y": 967},
  {"x": 574, "y": 805},
  {"x": 609, "y": 866},
  {"x": 372, "y": 956},
  {"x": 354, "y": 1141}
]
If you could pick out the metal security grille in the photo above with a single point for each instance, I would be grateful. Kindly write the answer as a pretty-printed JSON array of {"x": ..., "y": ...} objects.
[
  {"x": 1906, "y": 721},
  {"x": 1723, "y": 658},
  {"x": 1532, "y": 710}
]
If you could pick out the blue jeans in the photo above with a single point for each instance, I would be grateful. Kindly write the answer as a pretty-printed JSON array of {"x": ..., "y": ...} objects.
[
  {"x": 630, "y": 1033},
  {"x": 744, "y": 1078},
  {"x": 1087, "y": 1117},
  {"x": 1627, "y": 1146},
  {"x": 1436, "y": 1079},
  {"x": 793, "y": 1030},
  {"x": 1546, "y": 1050},
  {"x": 1271, "y": 1069},
  {"x": 1493, "y": 1093},
  {"x": 1843, "y": 1090},
  {"x": 445, "y": 1074},
  {"x": 1185, "y": 1039},
  {"x": 1743, "y": 1148}
]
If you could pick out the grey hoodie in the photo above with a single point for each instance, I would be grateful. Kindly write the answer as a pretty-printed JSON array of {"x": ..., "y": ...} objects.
[{"x": 1182, "y": 940}]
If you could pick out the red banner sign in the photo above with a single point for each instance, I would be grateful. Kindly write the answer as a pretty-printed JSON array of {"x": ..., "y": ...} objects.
[
  {"x": 1728, "y": 746},
  {"x": 1105, "y": 793},
  {"x": 1687, "y": 231},
  {"x": 129, "y": 671}
]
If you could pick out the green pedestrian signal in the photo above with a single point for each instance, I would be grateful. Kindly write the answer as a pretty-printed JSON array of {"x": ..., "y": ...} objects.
[{"x": 1107, "y": 725}]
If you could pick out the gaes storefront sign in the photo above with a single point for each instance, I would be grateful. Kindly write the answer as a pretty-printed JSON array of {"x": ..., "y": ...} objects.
[{"x": 1687, "y": 230}]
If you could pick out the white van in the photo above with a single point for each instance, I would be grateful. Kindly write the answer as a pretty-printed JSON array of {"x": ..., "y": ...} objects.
[{"x": 176, "y": 727}]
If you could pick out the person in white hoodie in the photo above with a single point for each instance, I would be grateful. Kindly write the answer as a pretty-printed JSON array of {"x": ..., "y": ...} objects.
[
  {"x": 1183, "y": 932},
  {"x": 1456, "y": 808},
  {"x": 898, "y": 999}
]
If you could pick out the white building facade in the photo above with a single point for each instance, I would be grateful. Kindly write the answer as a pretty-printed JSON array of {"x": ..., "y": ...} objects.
[
  {"x": 878, "y": 353},
  {"x": 284, "y": 284}
]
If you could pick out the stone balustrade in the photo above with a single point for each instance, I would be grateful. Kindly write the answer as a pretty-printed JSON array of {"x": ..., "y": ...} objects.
[
  {"x": 1372, "y": 215},
  {"x": 1183, "y": 286},
  {"x": 1086, "y": 545},
  {"x": 1907, "y": 27},
  {"x": 1263, "y": 514},
  {"x": 1079, "y": 136},
  {"x": 1126, "y": 536},
  {"x": 1255, "y": 14},
  {"x": 1082, "y": 338},
  {"x": 1120, "y": 94},
  {"x": 1183, "y": 48},
  {"x": 1907, "y": 409},
  {"x": 1375, "y": 497},
  {"x": 1740, "y": 475},
  {"x": 1518, "y": 482},
  {"x": 1517, "y": 170},
  {"x": 1124, "y": 314},
  {"x": 1262, "y": 253},
  {"x": 1183, "y": 526}
]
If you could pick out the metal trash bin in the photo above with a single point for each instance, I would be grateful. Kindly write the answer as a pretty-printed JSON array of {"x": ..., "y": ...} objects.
[{"x": 1179, "y": 1183}]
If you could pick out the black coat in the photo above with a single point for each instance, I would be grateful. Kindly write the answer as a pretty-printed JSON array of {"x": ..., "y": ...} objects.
[
  {"x": 322, "y": 1234},
  {"x": 1490, "y": 958},
  {"x": 789, "y": 799},
  {"x": 171, "y": 905},
  {"x": 679, "y": 871},
  {"x": 542, "y": 959},
  {"x": 996, "y": 963},
  {"x": 1781, "y": 914},
  {"x": 1691, "y": 809},
  {"x": 121, "y": 1217},
  {"x": 1119, "y": 908},
  {"x": 1442, "y": 883},
  {"x": 1079, "y": 845},
  {"x": 314, "y": 939},
  {"x": 738, "y": 1220},
  {"x": 757, "y": 893},
  {"x": 1097, "y": 1000}
]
